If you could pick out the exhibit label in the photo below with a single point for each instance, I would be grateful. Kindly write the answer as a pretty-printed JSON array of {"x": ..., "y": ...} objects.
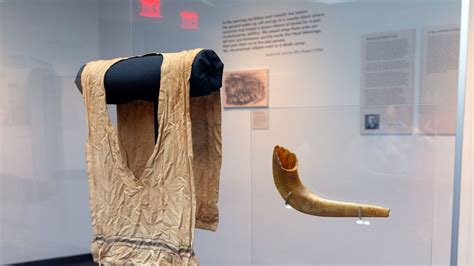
[
  {"x": 439, "y": 80},
  {"x": 387, "y": 82},
  {"x": 283, "y": 33}
]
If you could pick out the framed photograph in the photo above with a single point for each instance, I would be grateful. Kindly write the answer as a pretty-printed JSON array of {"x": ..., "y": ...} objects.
[
  {"x": 245, "y": 88},
  {"x": 372, "y": 121}
]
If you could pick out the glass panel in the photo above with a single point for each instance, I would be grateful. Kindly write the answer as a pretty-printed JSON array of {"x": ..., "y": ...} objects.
[
  {"x": 162, "y": 29},
  {"x": 334, "y": 68},
  {"x": 44, "y": 210},
  {"x": 336, "y": 162}
]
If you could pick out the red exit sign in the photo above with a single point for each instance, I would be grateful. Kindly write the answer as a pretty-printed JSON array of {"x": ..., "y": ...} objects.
[
  {"x": 189, "y": 20},
  {"x": 150, "y": 8}
]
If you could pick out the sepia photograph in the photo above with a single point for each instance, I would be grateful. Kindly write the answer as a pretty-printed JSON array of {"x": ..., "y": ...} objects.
[{"x": 246, "y": 88}]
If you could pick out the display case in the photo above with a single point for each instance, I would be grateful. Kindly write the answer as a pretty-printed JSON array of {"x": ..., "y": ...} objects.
[{"x": 365, "y": 93}]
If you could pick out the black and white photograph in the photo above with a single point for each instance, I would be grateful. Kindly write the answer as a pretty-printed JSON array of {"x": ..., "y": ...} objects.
[
  {"x": 372, "y": 121},
  {"x": 246, "y": 88}
]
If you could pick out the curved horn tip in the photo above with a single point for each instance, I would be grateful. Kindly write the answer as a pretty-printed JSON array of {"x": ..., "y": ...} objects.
[
  {"x": 286, "y": 158},
  {"x": 384, "y": 213},
  {"x": 275, "y": 148},
  {"x": 278, "y": 148}
]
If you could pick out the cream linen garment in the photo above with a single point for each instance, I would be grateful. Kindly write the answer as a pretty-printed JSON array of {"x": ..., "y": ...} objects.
[{"x": 146, "y": 198}]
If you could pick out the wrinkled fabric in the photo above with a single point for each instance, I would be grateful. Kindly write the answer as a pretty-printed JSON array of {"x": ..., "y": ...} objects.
[
  {"x": 145, "y": 198},
  {"x": 207, "y": 145}
]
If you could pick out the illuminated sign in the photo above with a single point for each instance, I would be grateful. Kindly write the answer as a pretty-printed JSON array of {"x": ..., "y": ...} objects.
[
  {"x": 150, "y": 8},
  {"x": 189, "y": 20}
]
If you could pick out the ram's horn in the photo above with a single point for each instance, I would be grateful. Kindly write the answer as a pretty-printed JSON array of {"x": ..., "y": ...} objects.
[{"x": 288, "y": 183}]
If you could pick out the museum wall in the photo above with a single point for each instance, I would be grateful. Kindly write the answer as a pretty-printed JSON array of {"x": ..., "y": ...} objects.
[
  {"x": 314, "y": 110},
  {"x": 44, "y": 211}
]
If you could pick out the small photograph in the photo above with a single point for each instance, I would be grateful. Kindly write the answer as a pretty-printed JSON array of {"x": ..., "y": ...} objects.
[
  {"x": 372, "y": 121},
  {"x": 246, "y": 88}
]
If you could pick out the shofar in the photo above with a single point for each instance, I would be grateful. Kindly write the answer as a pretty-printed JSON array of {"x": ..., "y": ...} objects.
[{"x": 288, "y": 183}]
